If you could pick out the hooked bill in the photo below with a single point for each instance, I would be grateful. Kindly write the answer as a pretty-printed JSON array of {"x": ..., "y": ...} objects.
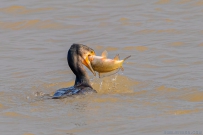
[{"x": 104, "y": 66}]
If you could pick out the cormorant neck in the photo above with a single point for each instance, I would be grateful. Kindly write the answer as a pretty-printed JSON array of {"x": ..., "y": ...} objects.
[
  {"x": 82, "y": 81},
  {"x": 75, "y": 64}
]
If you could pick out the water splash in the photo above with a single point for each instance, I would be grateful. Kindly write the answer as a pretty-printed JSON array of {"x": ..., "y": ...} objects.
[
  {"x": 100, "y": 87},
  {"x": 114, "y": 84}
]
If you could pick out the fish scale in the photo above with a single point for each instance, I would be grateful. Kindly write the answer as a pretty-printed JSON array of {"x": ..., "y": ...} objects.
[{"x": 105, "y": 66}]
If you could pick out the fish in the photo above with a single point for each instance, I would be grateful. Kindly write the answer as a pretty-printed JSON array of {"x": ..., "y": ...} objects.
[{"x": 105, "y": 66}]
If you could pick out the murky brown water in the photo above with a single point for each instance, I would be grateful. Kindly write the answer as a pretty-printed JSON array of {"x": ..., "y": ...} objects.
[{"x": 161, "y": 89}]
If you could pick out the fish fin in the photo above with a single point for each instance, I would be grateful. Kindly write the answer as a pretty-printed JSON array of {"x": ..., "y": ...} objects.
[
  {"x": 117, "y": 57},
  {"x": 126, "y": 58},
  {"x": 122, "y": 68},
  {"x": 104, "y": 54},
  {"x": 101, "y": 75}
]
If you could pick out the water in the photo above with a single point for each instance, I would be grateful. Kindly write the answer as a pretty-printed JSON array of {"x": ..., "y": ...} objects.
[{"x": 160, "y": 91}]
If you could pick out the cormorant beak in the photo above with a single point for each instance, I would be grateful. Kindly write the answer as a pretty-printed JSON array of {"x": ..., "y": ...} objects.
[{"x": 87, "y": 63}]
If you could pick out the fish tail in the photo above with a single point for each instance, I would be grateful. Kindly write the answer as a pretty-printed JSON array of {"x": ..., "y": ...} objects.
[{"x": 126, "y": 58}]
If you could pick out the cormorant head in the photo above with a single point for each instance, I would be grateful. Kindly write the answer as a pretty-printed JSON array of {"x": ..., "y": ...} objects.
[{"x": 84, "y": 52}]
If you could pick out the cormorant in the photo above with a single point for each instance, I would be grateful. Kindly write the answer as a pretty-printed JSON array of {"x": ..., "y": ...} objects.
[{"x": 77, "y": 57}]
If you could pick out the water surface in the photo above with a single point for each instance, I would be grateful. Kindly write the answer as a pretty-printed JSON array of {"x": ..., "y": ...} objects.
[{"x": 159, "y": 91}]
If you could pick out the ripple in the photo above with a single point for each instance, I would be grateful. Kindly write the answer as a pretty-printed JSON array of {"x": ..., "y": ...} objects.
[
  {"x": 1, "y": 106},
  {"x": 177, "y": 44},
  {"x": 162, "y": 2},
  {"x": 194, "y": 97},
  {"x": 15, "y": 114},
  {"x": 160, "y": 31},
  {"x": 138, "y": 48},
  {"x": 184, "y": 1},
  {"x": 82, "y": 32},
  {"x": 28, "y": 134},
  {"x": 102, "y": 100},
  {"x": 58, "y": 84},
  {"x": 124, "y": 19},
  {"x": 147, "y": 66},
  {"x": 201, "y": 44},
  {"x": 108, "y": 48},
  {"x": 33, "y": 24},
  {"x": 166, "y": 89},
  {"x": 170, "y": 61},
  {"x": 158, "y": 9},
  {"x": 169, "y": 20},
  {"x": 199, "y": 3},
  {"x": 182, "y": 112},
  {"x": 23, "y": 10}
]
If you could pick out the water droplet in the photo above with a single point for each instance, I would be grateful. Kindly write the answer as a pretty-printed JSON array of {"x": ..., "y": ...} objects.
[{"x": 100, "y": 85}]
